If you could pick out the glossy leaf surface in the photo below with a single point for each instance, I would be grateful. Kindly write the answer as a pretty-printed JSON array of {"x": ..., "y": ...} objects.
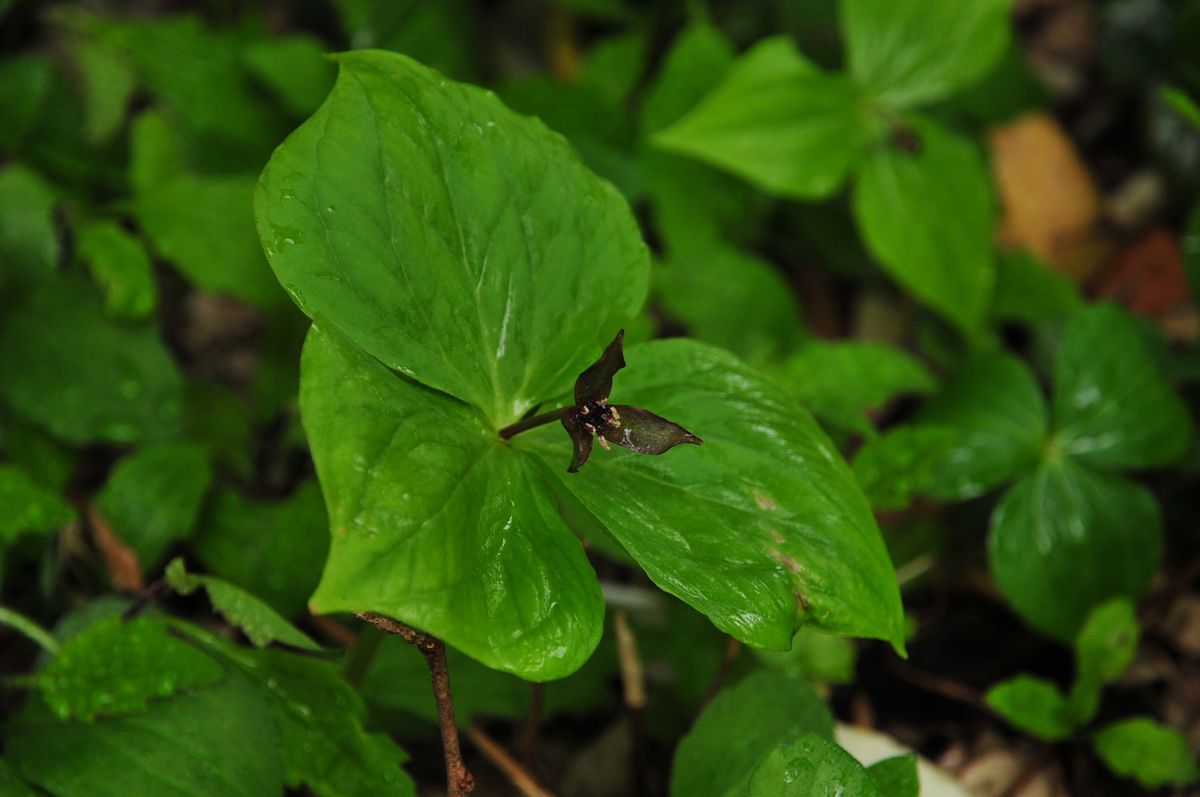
[
  {"x": 811, "y": 766},
  {"x": 452, "y": 239}
]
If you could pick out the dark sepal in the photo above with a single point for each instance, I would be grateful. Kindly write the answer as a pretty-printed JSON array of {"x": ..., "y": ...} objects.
[
  {"x": 595, "y": 383},
  {"x": 580, "y": 437},
  {"x": 646, "y": 433}
]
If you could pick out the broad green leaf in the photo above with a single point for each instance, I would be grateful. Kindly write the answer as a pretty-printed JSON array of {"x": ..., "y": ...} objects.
[
  {"x": 1113, "y": 406},
  {"x": 109, "y": 82},
  {"x": 116, "y": 667},
  {"x": 1065, "y": 539},
  {"x": 995, "y": 406},
  {"x": 840, "y": 381},
  {"x": 272, "y": 550},
  {"x": 261, "y": 624},
  {"x": 11, "y": 784},
  {"x": 732, "y": 299},
  {"x": 491, "y": 270},
  {"x": 811, "y": 767},
  {"x": 896, "y": 776},
  {"x": 697, "y": 60},
  {"x": 1028, "y": 290},
  {"x": 215, "y": 741},
  {"x": 927, "y": 216},
  {"x": 294, "y": 68},
  {"x": 818, "y": 657},
  {"x": 156, "y": 153},
  {"x": 614, "y": 64},
  {"x": 777, "y": 121},
  {"x": 152, "y": 497},
  {"x": 767, "y": 496},
  {"x": 120, "y": 265},
  {"x": 205, "y": 227},
  {"x": 911, "y": 52},
  {"x": 1104, "y": 649},
  {"x": 83, "y": 377},
  {"x": 438, "y": 34},
  {"x": 24, "y": 85},
  {"x": 437, "y": 523},
  {"x": 739, "y": 728},
  {"x": 904, "y": 463},
  {"x": 47, "y": 461},
  {"x": 319, "y": 722},
  {"x": 1143, "y": 749},
  {"x": 27, "y": 506},
  {"x": 28, "y": 241},
  {"x": 1034, "y": 705}
]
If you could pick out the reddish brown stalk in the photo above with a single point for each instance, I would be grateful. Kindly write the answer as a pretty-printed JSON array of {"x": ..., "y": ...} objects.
[
  {"x": 516, "y": 774},
  {"x": 460, "y": 781}
]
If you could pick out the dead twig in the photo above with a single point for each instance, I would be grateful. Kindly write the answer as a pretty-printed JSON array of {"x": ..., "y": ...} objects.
[
  {"x": 633, "y": 690},
  {"x": 516, "y": 774},
  {"x": 460, "y": 782}
]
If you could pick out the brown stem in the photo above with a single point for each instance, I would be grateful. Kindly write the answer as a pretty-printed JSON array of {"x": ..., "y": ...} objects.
[
  {"x": 525, "y": 424},
  {"x": 516, "y": 774},
  {"x": 633, "y": 690},
  {"x": 460, "y": 782}
]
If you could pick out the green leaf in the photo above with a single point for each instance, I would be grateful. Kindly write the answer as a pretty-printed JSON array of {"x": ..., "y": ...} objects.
[
  {"x": 205, "y": 226},
  {"x": 767, "y": 496},
  {"x": 156, "y": 153},
  {"x": 84, "y": 378},
  {"x": 1066, "y": 539},
  {"x": 261, "y": 624},
  {"x": 437, "y": 523},
  {"x": 319, "y": 721},
  {"x": 109, "y": 82},
  {"x": 904, "y": 463},
  {"x": 896, "y": 776},
  {"x": 438, "y": 34},
  {"x": 11, "y": 784},
  {"x": 777, "y": 121},
  {"x": 1034, "y": 705},
  {"x": 811, "y": 767},
  {"x": 1030, "y": 291},
  {"x": 152, "y": 497},
  {"x": 116, "y": 667},
  {"x": 492, "y": 271},
  {"x": 28, "y": 240},
  {"x": 927, "y": 217},
  {"x": 818, "y": 657},
  {"x": 294, "y": 68},
  {"x": 730, "y": 299},
  {"x": 207, "y": 742},
  {"x": 1104, "y": 649},
  {"x": 273, "y": 550},
  {"x": 27, "y": 506},
  {"x": 995, "y": 406},
  {"x": 839, "y": 382},
  {"x": 912, "y": 52},
  {"x": 1143, "y": 749},
  {"x": 120, "y": 265},
  {"x": 24, "y": 86},
  {"x": 699, "y": 57},
  {"x": 741, "y": 726},
  {"x": 1113, "y": 407}
]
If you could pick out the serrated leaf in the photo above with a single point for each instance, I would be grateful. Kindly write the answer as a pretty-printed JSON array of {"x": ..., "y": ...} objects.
[
  {"x": 152, "y": 497},
  {"x": 1113, "y": 407},
  {"x": 437, "y": 523},
  {"x": 83, "y": 377},
  {"x": 767, "y": 496},
  {"x": 741, "y": 726},
  {"x": 261, "y": 624},
  {"x": 840, "y": 381},
  {"x": 274, "y": 550},
  {"x": 896, "y": 776},
  {"x": 120, "y": 265},
  {"x": 116, "y": 667},
  {"x": 811, "y": 766},
  {"x": 219, "y": 740},
  {"x": 27, "y": 506},
  {"x": 994, "y": 404},
  {"x": 1143, "y": 749},
  {"x": 1066, "y": 539},
  {"x": 777, "y": 121},
  {"x": 927, "y": 217},
  {"x": 470, "y": 251},
  {"x": 910, "y": 52},
  {"x": 1034, "y": 705}
]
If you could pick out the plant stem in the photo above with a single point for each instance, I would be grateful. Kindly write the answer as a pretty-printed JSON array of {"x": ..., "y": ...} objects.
[
  {"x": 29, "y": 628},
  {"x": 525, "y": 424},
  {"x": 633, "y": 691},
  {"x": 516, "y": 774},
  {"x": 459, "y": 781}
]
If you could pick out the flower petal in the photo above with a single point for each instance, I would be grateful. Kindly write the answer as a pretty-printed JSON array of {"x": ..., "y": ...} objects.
[
  {"x": 646, "y": 433},
  {"x": 595, "y": 382},
  {"x": 581, "y": 437}
]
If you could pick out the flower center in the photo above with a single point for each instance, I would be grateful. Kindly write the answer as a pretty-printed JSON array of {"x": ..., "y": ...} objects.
[{"x": 597, "y": 416}]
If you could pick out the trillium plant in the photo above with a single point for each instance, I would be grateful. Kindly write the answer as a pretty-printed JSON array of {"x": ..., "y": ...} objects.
[{"x": 460, "y": 265}]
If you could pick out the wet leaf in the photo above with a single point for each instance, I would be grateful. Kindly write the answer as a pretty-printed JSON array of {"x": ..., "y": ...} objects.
[{"x": 811, "y": 766}]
